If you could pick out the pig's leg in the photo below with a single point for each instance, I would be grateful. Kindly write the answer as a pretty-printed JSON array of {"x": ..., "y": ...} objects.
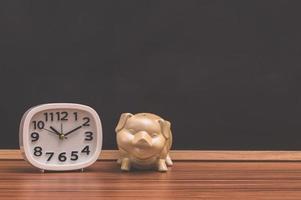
[
  {"x": 125, "y": 164},
  {"x": 122, "y": 155},
  {"x": 162, "y": 165},
  {"x": 168, "y": 160}
]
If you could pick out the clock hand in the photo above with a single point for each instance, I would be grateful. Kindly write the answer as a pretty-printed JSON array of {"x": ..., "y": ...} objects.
[
  {"x": 61, "y": 135},
  {"x": 49, "y": 131},
  {"x": 55, "y": 130},
  {"x": 72, "y": 130}
]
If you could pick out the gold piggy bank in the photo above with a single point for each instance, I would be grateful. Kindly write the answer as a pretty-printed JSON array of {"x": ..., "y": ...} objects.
[{"x": 144, "y": 141}]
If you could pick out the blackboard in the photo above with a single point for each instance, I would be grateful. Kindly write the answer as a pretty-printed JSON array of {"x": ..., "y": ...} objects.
[{"x": 227, "y": 74}]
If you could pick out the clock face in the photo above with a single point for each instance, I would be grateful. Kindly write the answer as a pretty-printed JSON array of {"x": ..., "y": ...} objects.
[{"x": 61, "y": 136}]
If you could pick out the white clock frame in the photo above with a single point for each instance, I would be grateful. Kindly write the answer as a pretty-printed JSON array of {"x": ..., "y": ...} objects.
[{"x": 24, "y": 136}]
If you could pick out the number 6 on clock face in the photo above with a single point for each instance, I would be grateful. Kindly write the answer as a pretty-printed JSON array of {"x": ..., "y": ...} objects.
[{"x": 61, "y": 136}]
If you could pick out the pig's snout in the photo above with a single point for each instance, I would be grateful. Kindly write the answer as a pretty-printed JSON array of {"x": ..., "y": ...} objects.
[{"x": 142, "y": 139}]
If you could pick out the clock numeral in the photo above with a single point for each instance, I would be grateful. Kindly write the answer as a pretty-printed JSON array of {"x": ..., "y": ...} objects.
[
  {"x": 37, "y": 151},
  {"x": 60, "y": 116},
  {"x": 75, "y": 116},
  {"x": 48, "y": 116},
  {"x": 35, "y": 136},
  {"x": 50, "y": 155},
  {"x": 89, "y": 136},
  {"x": 39, "y": 124},
  {"x": 86, "y": 150},
  {"x": 74, "y": 155},
  {"x": 87, "y": 121},
  {"x": 62, "y": 157}
]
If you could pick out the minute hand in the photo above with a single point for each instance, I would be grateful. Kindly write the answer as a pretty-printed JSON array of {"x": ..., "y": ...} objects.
[{"x": 72, "y": 130}]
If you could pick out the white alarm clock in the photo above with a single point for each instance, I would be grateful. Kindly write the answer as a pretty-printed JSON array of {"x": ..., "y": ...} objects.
[{"x": 60, "y": 136}]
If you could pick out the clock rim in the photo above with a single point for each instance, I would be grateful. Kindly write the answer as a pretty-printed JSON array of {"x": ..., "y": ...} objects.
[{"x": 24, "y": 135}]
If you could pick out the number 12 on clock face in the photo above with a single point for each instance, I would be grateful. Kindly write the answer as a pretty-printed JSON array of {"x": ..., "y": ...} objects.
[{"x": 61, "y": 136}]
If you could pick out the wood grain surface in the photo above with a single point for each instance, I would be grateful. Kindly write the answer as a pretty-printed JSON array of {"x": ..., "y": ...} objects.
[
  {"x": 193, "y": 155},
  {"x": 185, "y": 180}
]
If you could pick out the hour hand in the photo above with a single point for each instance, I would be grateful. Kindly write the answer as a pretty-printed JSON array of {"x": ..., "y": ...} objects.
[
  {"x": 50, "y": 131},
  {"x": 58, "y": 133}
]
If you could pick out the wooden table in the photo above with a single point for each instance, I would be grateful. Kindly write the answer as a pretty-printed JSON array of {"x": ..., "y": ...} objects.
[{"x": 186, "y": 180}]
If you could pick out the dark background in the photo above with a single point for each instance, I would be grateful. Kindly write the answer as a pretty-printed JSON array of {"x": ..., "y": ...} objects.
[{"x": 225, "y": 73}]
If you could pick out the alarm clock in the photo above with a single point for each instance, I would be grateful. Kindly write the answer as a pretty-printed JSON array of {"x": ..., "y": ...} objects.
[{"x": 60, "y": 136}]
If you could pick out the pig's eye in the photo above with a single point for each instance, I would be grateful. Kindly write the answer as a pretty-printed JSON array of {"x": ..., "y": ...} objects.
[
  {"x": 132, "y": 131},
  {"x": 154, "y": 134}
]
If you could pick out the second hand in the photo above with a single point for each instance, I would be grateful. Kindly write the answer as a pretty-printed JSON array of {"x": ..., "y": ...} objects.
[{"x": 61, "y": 136}]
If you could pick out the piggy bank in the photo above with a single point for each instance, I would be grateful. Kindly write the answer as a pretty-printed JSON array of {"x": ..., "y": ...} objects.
[{"x": 144, "y": 141}]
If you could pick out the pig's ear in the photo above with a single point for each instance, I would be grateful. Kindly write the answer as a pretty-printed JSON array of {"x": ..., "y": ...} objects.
[
  {"x": 165, "y": 128},
  {"x": 123, "y": 118}
]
